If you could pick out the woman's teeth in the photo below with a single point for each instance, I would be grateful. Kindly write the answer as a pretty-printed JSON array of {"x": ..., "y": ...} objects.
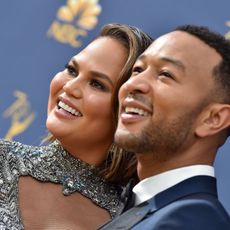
[{"x": 69, "y": 109}]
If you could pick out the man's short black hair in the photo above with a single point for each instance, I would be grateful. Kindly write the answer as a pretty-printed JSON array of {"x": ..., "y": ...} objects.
[{"x": 217, "y": 41}]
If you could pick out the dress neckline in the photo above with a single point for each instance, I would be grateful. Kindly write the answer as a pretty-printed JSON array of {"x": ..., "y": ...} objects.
[{"x": 76, "y": 175}]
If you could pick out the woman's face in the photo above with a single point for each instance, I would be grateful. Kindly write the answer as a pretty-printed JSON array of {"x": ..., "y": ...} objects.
[{"x": 79, "y": 107}]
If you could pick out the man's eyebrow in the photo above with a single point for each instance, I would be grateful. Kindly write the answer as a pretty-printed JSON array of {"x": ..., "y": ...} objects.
[
  {"x": 141, "y": 57},
  {"x": 174, "y": 62}
]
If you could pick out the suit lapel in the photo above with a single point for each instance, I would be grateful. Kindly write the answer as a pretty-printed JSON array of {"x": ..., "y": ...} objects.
[
  {"x": 129, "y": 218},
  {"x": 194, "y": 185}
]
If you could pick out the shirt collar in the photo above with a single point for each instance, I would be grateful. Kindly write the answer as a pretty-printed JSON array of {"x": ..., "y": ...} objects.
[{"x": 151, "y": 186}]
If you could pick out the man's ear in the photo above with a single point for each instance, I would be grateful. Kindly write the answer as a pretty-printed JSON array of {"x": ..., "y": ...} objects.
[{"x": 213, "y": 120}]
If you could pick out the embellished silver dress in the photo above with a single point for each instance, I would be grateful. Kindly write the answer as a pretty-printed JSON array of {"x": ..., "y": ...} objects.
[{"x": 53, "y": 164}]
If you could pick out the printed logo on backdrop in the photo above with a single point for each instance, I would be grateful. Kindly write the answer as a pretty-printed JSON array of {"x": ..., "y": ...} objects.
[
  {"x": 227, "y": 35},
  {"x": 20, "y": 114},
  {"x": 74, "y": 20}
]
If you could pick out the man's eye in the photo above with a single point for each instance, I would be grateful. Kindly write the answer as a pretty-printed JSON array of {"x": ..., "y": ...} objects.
[
  {"x": 136, "y": 70},
  {"x": 97, "y": 84},
  {"x": 71, "y": 70},
  {"x": 166, "y": 74}
]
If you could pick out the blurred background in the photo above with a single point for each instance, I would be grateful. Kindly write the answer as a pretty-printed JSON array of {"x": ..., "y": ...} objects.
[{"x": 37, "y": 39}]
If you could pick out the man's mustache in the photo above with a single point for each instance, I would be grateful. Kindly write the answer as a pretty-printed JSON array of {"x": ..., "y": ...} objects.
[{"x": 139, "y": 97}]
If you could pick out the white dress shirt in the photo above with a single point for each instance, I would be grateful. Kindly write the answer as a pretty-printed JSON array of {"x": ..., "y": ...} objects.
[{"x": 151, "y": 186}]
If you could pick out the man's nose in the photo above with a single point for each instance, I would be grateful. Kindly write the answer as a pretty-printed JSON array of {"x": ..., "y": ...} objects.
[{"x": 137, "y": 84}]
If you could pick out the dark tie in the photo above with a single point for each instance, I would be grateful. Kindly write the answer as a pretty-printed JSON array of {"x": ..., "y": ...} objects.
[{"x": 128, "y": 215}]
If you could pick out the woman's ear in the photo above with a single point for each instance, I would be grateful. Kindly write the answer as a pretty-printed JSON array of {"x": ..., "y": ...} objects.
[{"x": 213, "y": 120}]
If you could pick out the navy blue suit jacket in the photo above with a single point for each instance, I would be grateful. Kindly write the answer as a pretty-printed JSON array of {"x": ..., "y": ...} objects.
[{"x": 189, "y": 205}]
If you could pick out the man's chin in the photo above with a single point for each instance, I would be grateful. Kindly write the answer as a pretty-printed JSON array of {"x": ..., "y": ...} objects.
[
  {"x": 124, "y": 139},
  {"x": 120, "y": 137}
]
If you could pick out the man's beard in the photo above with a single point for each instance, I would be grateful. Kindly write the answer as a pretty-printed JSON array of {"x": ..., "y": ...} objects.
[{"x": 158, "y": 138}]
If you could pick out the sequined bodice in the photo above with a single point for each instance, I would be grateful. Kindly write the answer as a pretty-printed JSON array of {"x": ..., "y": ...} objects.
[{"x": 53, "y": 164}]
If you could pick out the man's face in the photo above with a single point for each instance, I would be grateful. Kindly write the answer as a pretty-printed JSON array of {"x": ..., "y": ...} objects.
[{"x": 170, "y": 85}]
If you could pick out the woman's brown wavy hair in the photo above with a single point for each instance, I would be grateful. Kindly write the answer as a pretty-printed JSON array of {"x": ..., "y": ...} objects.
[{"x": 120, "y": 165}]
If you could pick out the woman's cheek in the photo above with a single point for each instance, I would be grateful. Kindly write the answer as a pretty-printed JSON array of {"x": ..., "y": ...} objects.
[
  {"x": 56, "y": 86},
  {"x": 57, "y": 83}
]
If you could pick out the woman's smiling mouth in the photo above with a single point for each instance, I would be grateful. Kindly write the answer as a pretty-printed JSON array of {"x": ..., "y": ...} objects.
[{"x": 67, "y": 108}]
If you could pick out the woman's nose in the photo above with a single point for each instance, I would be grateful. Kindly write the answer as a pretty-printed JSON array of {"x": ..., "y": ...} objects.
[{"x": 73, "y": 87}]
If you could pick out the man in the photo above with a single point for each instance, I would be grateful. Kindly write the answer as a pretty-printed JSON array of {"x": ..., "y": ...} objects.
[{"x": 175, "y": 114}]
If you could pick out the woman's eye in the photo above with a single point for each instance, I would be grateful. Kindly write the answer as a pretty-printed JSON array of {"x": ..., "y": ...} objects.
[
  {"x": 71, "y": 70},
  {"x": 97, "y": 84}
]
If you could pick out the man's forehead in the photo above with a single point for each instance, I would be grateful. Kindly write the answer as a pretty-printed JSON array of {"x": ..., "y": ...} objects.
[
  {"x": 161, "y": 45},
  {"x": 173, "y": 39},
  {"x": 177, "y": 43}
]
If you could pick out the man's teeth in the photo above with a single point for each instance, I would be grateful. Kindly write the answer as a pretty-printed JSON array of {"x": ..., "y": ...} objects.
[
  {"x": 69, "y": 109},
  {"x": 136, "y": 111}
]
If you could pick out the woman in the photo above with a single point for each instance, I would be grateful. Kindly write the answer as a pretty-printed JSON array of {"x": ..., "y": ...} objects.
[{"x": 82, "y": 110}]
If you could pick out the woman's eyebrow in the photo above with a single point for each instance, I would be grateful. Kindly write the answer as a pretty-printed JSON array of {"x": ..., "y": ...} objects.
[
  {"x": 102, "y": 75},
  {"x": 94, "y": 72}
]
